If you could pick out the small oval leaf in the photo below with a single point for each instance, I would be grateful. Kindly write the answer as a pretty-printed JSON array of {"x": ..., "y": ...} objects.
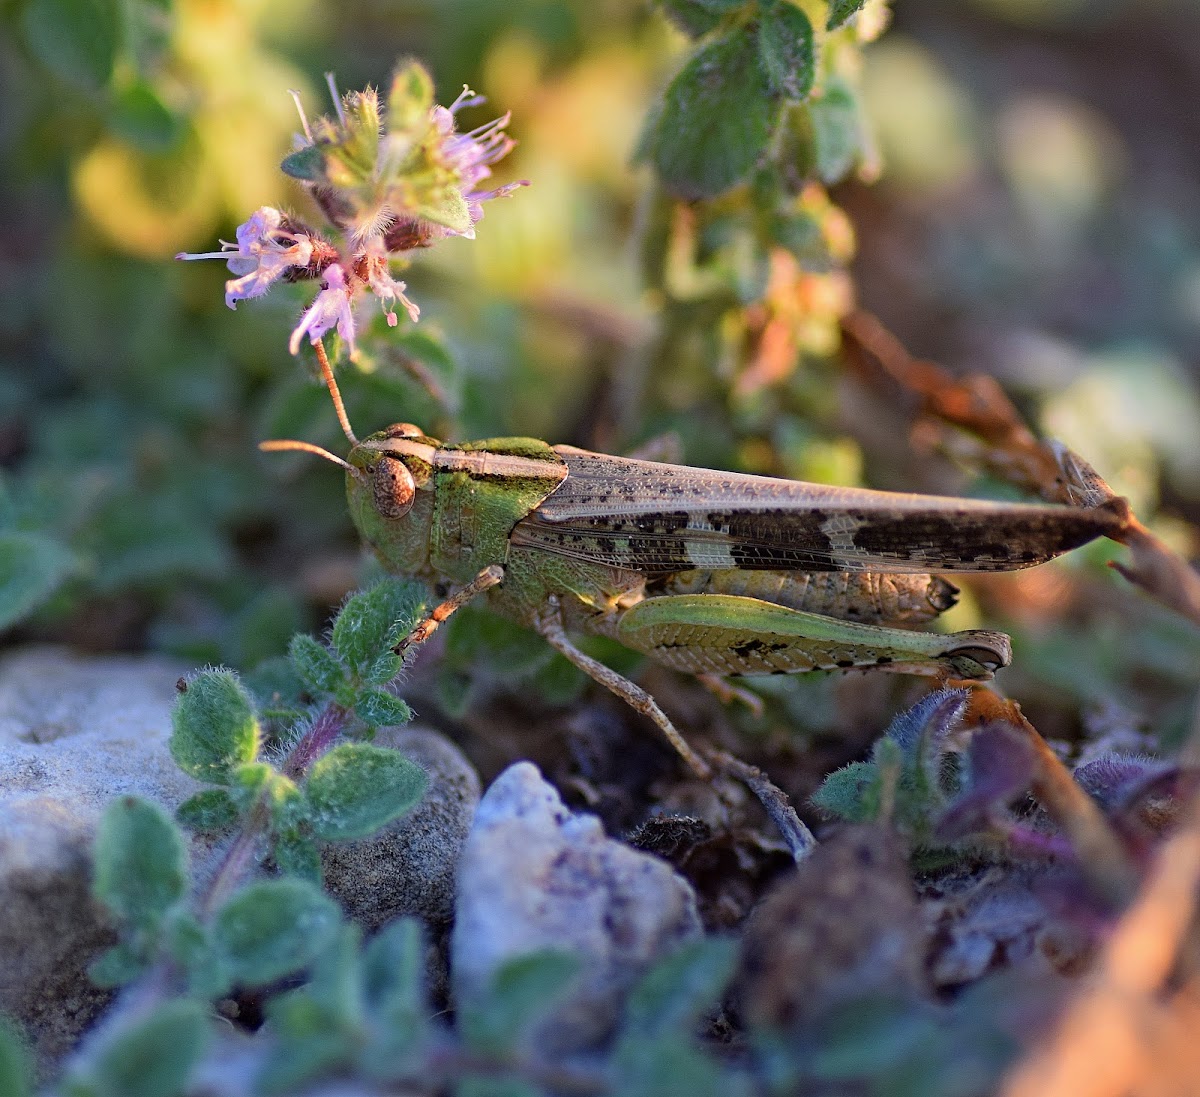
[
  {"x": 154, "y": 1058},
  {"x": 316, "y": 665},
  {"x": 140, "y": 861},
  {"x": 841, "y": 10},
  {"x": 306, "y": 164},
  {"x": 214, "y": 727},
  {"x": 372, "y": 622},
  {"x": 209, "y": 812},
  {"x": 785, "y": 44},
  {"x": 697, "y": 17},
  {"x": 32, "y": 567},
  {"x": 357, "y": 788},
  {"x": 75, "y": 39},
  {"x": 273, "y": 928},
  {"x": 379, "y": 708},
  {"x": 716, "y": 120}
]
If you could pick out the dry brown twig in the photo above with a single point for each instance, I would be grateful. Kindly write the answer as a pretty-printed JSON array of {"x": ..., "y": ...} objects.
[{"x": 972, "y": 418}]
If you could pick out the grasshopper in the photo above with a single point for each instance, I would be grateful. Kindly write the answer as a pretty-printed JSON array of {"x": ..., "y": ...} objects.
[{"x": 716, "y": 574}]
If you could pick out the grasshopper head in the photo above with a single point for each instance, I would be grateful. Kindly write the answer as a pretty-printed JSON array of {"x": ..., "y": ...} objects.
[
  {"x": 389, "y": 483},
  {"x": 387, "y": 480}
]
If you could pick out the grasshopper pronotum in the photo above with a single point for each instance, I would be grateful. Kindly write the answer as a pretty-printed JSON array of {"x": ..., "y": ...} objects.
[{"x": 712, "y": 573}]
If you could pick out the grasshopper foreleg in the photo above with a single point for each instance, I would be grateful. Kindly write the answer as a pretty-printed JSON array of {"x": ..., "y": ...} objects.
[
  {"x": 549, "y": 624},
  {"x": 485, "y": 580}
]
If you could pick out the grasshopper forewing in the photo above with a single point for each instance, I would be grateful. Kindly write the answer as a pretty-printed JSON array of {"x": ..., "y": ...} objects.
[{"x": 714, "y": 573}]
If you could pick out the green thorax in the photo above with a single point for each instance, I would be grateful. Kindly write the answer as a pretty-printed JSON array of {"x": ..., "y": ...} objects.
[
  {"x": 475, "y": 509},
  {"x": 468, "y": 499}
]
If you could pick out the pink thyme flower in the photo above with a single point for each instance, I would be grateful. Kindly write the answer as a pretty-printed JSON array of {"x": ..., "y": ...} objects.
[
  {"x": 384, "y": 286},
  {"x": 472, "y": 155},
  {"x": 265, "y": 251},
  {"x": 330, "y": 307},
  {"x": 389, "y": 181}
]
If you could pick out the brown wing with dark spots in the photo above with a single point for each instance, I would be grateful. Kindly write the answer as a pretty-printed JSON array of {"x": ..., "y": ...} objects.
[{"x": 659, "y": 518}]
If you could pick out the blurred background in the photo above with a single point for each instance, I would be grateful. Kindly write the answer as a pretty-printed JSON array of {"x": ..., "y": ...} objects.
[{"x": 1022, "y": 198}]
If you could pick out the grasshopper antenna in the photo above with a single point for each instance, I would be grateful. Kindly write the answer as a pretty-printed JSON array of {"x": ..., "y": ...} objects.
[
  {"x": 280, "y": 444},
  {"x": 335, "y": 394}
]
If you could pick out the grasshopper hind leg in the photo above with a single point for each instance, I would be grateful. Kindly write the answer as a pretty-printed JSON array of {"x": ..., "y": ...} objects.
[{"x": 725, "y": 634}]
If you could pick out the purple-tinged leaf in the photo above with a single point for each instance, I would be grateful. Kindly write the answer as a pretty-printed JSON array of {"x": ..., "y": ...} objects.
[
  {"x": 928, "y": 724},
  {"x": 1002, "y": 764},
  {"x": 1110, "y": 778}
]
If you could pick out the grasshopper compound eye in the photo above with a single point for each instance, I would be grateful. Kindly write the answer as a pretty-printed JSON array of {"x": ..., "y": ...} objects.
[{"x": 394, "y": 487}]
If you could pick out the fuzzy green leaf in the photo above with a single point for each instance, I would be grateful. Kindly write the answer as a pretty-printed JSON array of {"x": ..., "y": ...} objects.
[
  {"x": 379, "y": 708},
  {"x": 209, "y": 812},
  {"x": 448, "y": 207},
  {"x": 841, "y": 10},
  {"x": 522, "y": 992},
  {"x": 188, "y": 944},
  {"x": 289, "y": 808},
  {"x": 296, "y": 854},
  {"x": 670, "y": 1065},
  {"x": 316, "y": 665},
  {"x": 154, "y": 1058},
  {"x": 77, "y": 40},
  {"x": 116, "y": 966},
  {"x": 277, "y": 689},
  {"x": 337, "y": 979},
  {"x": 837, "y": 131},
  {"x": 785, "y": 44},
  {"x": 373, "y": 621},
  {"x": 272, "y": 928},
  {"x": 306, "y": 164},
  {"x": 698, "y": 17},
  {"x": 844, "y": 793},
  {"x": 317, "y": 1027},
  {"x": 393, "y": 973},
  {"x": 16, "y": 1063},
  {"x": 308, "y": 1044},
  {"x": 679, "y": 989},
  {"x": 32, "y": 567},
  {"x": 214, "y": 727},
  {"x": 140, "y": 861},
  {"x": 357, "y": 788},
  {"x": 716, "y": 120},
  {"x": 394, "y": 970}
]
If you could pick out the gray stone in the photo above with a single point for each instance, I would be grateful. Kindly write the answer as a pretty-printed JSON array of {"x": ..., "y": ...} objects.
[
  {"x": 75, "y": 731},
  {"x": 410, "y": 866},
  {"x": 535, "y": 876}
]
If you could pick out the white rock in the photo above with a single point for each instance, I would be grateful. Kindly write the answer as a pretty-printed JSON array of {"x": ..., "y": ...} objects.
[
  {"x": 535, "y": 876},
  {"x": 75, "y": 731}
]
